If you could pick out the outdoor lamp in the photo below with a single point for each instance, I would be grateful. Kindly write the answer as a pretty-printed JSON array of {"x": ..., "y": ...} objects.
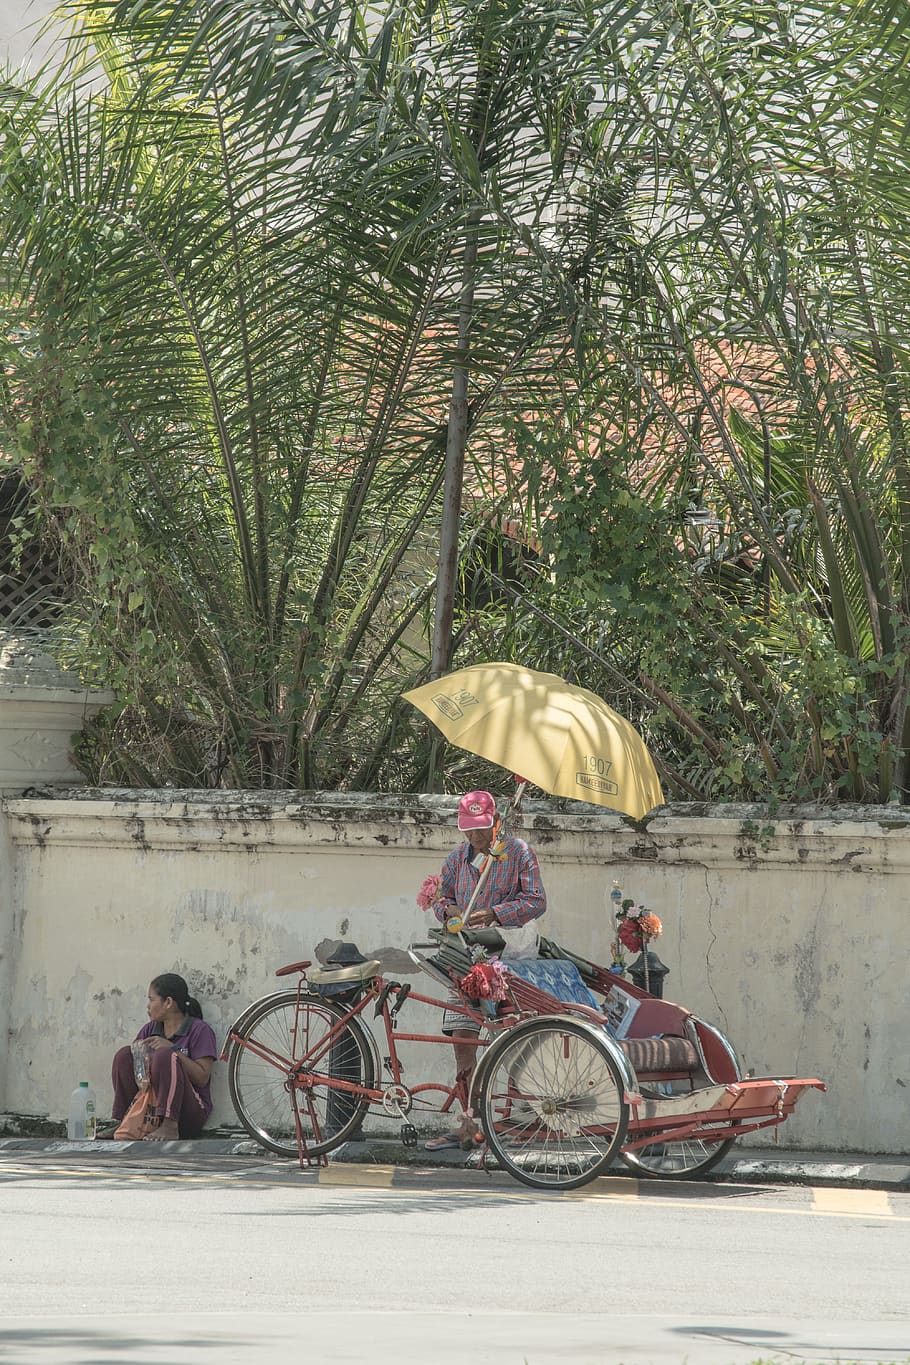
[{"x": 656, "y": 971}]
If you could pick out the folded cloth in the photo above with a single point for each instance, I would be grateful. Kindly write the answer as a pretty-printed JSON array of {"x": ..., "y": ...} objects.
[{"x": 558, "y": 978}]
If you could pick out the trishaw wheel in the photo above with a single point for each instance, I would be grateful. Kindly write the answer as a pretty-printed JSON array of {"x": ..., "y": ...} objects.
[
  {"x": 676, "y": 1160},
  {"x": 551, "y": 1104},
  {"x": 275, "y": 1039}
]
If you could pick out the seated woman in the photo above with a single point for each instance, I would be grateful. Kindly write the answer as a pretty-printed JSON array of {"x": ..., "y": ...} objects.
[{"x": 182, "y": 1051}]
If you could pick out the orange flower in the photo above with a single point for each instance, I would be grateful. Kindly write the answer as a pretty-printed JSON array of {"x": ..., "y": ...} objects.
[{"x": 650, "y": 925}]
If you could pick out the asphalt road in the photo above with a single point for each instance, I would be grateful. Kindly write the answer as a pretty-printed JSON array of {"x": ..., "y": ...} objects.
[{"x": 251, "y": 1261}]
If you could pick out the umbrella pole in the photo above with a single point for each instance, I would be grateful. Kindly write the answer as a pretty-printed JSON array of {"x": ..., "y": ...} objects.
[{"x": 488, "y": 863}]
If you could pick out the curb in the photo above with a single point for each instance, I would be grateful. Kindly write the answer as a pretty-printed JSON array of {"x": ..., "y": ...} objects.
[
  {"x": 202, "y": 1148},
  {"x": 745, "y": 1166}
]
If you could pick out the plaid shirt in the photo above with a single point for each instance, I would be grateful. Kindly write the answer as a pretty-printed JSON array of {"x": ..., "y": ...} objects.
[{"x": 512, "y": 888}]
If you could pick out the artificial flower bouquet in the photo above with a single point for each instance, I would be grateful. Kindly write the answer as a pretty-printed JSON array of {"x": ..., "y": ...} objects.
[
  {"x": 430, "y": 892},
  {"x": 636, "y": 926},
  {"x": 485, "y": 981}
]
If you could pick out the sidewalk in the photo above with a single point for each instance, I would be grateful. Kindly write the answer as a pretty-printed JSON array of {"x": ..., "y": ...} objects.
[{"x": 772, "y": 1165}]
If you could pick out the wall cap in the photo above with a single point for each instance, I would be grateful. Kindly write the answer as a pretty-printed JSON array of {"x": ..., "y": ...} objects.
[{"x": 857, "y": 839}]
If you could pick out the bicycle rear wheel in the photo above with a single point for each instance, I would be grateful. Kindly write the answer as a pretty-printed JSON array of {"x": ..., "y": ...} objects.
[
  {"x": 263, "y": 1072},
  {"x": 552, "y": 1104},
  {"x": 676, "y": 1160}
]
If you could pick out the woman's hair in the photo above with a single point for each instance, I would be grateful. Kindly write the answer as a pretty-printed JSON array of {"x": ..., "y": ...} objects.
[{"x": 170, "y": 984}]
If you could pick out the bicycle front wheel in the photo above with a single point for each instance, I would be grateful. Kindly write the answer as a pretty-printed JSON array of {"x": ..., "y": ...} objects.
[
  {"x": 286, "y": 1037},
  {"x": 552, "y": 1104}
]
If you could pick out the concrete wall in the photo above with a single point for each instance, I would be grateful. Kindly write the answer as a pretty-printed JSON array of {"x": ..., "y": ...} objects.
[{"x": 789, "y": 933}]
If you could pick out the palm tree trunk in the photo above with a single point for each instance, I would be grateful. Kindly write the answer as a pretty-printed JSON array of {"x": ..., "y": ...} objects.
[{"x": 456, "y": 443}]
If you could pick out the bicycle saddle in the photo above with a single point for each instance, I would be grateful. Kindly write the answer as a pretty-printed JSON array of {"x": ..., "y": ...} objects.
[{"x": 357, "y": 971}]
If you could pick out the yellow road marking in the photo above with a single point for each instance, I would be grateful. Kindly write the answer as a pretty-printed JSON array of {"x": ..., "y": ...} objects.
[
  {"x": 607, "y": 1187},
  {"x": 733, "y": 1205},
  {"x": 185, "y": 1177},
  {"x": 369, "y": 1177},
  {"x": 858, "y": 1202},
  {"x": 825, "y": 1202}
]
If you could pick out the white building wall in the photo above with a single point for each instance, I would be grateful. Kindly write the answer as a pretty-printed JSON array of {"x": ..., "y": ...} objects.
[{"x": 790, "y": 934}]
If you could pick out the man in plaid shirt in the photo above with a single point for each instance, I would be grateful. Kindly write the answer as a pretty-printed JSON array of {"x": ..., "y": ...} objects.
[
  {"x": 511, "y": 895},
  {"x": 512, "y": 892}
]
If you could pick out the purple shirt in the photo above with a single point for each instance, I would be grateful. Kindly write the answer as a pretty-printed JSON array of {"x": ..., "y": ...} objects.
[
  {"x": 196, "y": 1038},
  {"x": 512, "y": 888}
]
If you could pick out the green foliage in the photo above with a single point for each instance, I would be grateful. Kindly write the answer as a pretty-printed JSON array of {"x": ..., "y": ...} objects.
[
  {"x": 757, "y": 376},
  {"x": 668, "y": 249},
  {"x": 232, "y": 286}
]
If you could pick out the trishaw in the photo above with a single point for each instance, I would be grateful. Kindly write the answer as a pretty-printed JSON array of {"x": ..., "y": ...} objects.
[{"x": 576, "y": 1067}]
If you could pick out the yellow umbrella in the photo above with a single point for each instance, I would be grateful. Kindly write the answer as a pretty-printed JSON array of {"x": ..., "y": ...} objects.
[{"x": 562, "y": 738}]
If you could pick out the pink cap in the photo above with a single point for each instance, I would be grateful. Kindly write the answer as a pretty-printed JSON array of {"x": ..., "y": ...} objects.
[{"x": 476, "y": 810}]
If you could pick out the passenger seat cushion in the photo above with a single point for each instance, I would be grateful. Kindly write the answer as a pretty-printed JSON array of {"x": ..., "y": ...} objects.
[{"x": 650, "y": 1055}]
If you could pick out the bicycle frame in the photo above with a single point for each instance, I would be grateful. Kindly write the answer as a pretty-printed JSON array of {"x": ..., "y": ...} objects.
[{"x": 394, "y": 1097}]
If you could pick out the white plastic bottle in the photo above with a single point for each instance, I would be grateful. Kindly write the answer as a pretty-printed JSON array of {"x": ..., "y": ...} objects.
[{"x": 80, "y": 1125}]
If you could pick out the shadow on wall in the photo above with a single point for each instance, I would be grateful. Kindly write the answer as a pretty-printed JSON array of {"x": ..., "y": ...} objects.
[{"x": 35, "y": 1345}]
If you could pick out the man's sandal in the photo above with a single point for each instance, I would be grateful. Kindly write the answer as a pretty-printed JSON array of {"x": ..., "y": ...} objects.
[
  {"x": 465, "y": 1141},
  {"x": 445, "y": 1140}
]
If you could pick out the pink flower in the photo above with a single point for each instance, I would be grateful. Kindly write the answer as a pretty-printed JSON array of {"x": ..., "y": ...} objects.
[{"x": 428, "y": 894}]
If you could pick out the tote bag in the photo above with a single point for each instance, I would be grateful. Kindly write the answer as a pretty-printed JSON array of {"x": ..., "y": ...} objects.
[{"x": 140, "y": 1118}]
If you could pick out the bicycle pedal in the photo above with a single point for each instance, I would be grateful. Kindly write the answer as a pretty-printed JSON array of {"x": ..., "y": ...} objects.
[{"x": 408, "y": 1135}]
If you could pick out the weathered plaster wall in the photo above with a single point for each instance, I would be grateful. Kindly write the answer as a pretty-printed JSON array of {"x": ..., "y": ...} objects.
[
  {"x": 790, "y": 934},
  {"x": 9, "y": 939},
  {"x": 41, "y": 706}
]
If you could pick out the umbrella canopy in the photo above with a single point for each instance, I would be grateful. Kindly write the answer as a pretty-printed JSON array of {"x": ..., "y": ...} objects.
[{"x": 562, "y": 738}]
